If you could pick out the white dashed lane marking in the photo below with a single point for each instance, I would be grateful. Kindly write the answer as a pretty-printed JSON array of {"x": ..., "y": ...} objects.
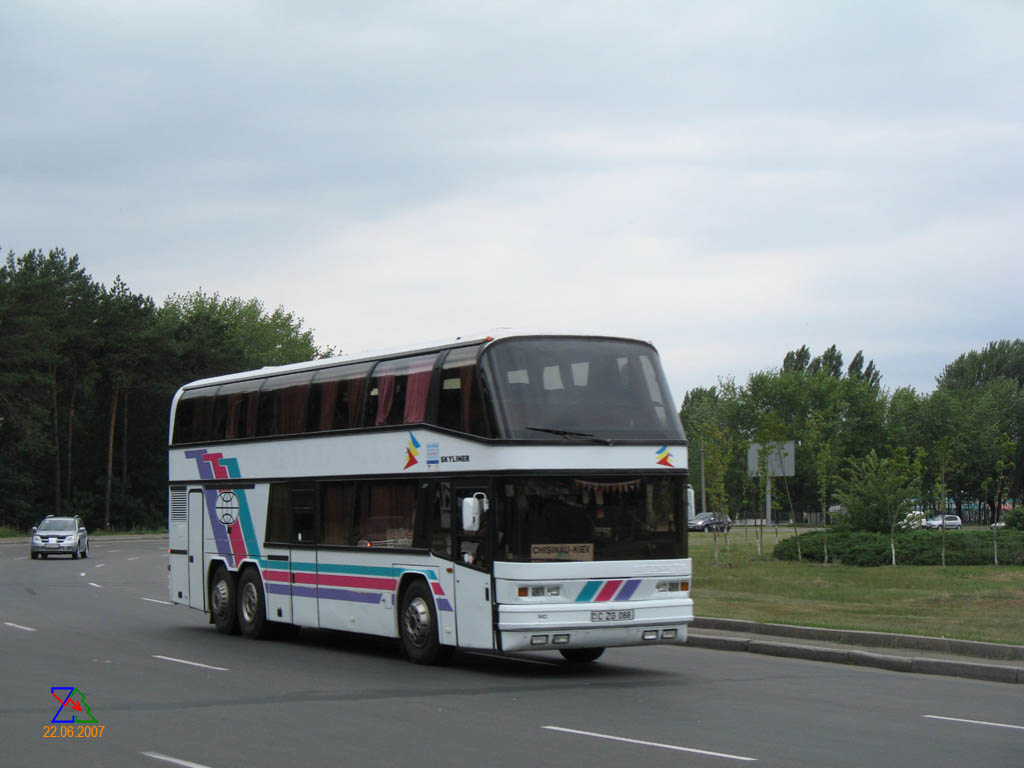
[
  {"x": 191, "y": 663},
  {"x": 638, "y": 742},
  {"x": 974, "y": 722},
  {"x": 18, "y": 626}
]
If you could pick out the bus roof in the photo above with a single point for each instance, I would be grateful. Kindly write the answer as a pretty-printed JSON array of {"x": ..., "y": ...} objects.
[{"x": 390, "y": 352}]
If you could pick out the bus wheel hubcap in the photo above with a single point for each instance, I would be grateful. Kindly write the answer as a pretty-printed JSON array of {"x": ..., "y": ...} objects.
[
  {"x": 417, "y": 621},
  {"x": 249, "y": 603},
  {"x": 220, "y": 596}
]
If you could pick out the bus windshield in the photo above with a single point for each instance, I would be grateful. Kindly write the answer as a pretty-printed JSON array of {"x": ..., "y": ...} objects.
[
  {"x": 589, "y": 518},
  {"x": 579, "y": 389}
]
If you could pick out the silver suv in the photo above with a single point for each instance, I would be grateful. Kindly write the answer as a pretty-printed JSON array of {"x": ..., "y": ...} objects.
[
  {"x": 953, "y": 522},
  {"x": 60, "y": 536}
]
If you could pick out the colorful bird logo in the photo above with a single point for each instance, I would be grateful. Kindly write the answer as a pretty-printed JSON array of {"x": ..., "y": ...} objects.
[
  {"x": 664, "y": 457},
  {"x": 412, "y": 450}
]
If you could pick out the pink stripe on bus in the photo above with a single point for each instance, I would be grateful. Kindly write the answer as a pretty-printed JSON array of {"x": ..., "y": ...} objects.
[{"x": 608, "y": 590}]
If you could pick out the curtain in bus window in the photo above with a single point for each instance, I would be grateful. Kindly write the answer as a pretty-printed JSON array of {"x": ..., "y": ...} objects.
[
  {"x": 417, "y": 390},
  {"x": 241, "y": 409},
  {"x": 336, "y": 395},
  {"x": 293, "y": 409},
  {"x": 337, "y": 508},
  {"x": 282, "y": 404},
  {"x": 277, "y": 513},
  {"x": 402, "y": 387},
  {"x": 354, "y": 400},
  {"x": 385, "y": 397},
  {"x": 328, "y": 391},
  {"x": 388, "y": 511}
]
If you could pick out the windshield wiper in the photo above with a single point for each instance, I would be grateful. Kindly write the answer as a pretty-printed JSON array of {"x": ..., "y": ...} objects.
[{"x": 568, "y": 434}]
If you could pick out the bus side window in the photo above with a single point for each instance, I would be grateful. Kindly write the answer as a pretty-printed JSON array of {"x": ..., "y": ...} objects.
[
  {"x": 422, "y": 520},
  {"x": 304, "y": 527},
  {"x": 460, "y": 402},
  {"x": 193, "y": 415},
  {"x": 277, "y": 513},
  {"x": 399, "y": 390},
  {"x": 338, "y": 500},
  {"x": 441, "y": 520},
  {"x": 336, "y": 396}
]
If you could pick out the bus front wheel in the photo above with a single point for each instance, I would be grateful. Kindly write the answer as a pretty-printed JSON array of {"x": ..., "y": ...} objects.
[
  {"x": 418, "y": 626},
  {"x": 252, "y": 610},
  {"x": 581, "y": 655},
  {"x": 222, "y": 601}
]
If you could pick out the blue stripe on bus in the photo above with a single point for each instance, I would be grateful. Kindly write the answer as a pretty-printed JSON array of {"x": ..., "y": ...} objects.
[{"x": 589, "y": 591}]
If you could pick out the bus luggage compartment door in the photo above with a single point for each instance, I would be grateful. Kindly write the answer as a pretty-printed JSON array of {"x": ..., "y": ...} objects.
[{"x": 196, "y": 520}]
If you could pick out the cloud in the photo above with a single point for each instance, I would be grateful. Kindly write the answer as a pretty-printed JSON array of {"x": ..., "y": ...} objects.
[{"x": 730, "y": 180}]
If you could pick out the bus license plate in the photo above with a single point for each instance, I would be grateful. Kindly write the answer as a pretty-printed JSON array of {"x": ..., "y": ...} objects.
[{"x": 621, "y": 615}]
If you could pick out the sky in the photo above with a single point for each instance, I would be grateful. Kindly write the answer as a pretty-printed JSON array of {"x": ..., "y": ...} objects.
[{"x": 728, "y": 180}]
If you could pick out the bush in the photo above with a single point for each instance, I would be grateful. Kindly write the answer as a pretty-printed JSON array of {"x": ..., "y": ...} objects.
[
  {"x": 912, "y": 548},
  {"x": 1015, "y": 518}
]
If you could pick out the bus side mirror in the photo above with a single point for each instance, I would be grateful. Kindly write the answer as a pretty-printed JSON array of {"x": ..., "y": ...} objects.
[{"x": 473, "y": 508}]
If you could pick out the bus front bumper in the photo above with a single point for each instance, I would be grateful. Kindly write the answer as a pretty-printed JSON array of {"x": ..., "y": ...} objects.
[{"x": 594, "y": 625}]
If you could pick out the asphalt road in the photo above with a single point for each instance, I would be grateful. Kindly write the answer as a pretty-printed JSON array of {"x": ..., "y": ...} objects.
[{"x": 165, "y": 687}]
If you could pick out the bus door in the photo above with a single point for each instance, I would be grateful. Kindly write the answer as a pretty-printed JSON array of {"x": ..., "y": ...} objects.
[
  {"x": 196, "y": 522},
  {"x": 305, "y": 528},
  {"x": 474, "y": 618}
]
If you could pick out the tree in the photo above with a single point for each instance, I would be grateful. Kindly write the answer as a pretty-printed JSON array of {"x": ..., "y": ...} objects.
[
  {"x": 47, "y": 304},
  {"x": 214, "y": 335},
  {"x": 1003, "y": 466},
  {"x": 701, "y": 417},
  {"x": 74, "y": 353},
  {"x": 128, "y": 325},
  {"x": 878, "y": 493},
  {"x": 990, "y": 382}
]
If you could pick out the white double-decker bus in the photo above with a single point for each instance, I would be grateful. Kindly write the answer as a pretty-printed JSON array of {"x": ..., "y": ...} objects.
[{"x": 514, "y": 493}]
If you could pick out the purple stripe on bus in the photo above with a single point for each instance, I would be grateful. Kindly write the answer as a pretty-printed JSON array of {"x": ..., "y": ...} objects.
[
  {"x": 276, "y": 588},
  {"x": 350, "y": 596},
  {"x": 628, "y": 589}
]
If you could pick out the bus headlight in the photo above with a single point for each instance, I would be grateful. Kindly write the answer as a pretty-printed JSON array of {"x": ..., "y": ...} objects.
[
  {"x": 541, "y": 590},
  {"x": 673, "y": 586}
]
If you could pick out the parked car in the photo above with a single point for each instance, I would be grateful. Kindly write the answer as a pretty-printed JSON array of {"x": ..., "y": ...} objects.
[
  {"x": 952, "y": 522},
  {"x": 60, "y": 536},
  {"x": 706, "y": 521}
]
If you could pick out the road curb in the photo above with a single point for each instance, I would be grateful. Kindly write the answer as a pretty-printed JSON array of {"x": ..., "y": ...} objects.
[
  {"x": 993, "y": 651},
  {"x": 950, "y": 668}
]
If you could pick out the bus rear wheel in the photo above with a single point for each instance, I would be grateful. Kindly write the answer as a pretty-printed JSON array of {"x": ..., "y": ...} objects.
[
  {"x": 252, "y": 610},
  {"x": 581, "y": 655},
  {"x": 417, "y": 619},
  {"x": 222, "y": 601}
]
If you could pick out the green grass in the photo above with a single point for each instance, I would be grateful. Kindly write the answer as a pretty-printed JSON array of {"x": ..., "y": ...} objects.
[{"x": 967, "y": 602}]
